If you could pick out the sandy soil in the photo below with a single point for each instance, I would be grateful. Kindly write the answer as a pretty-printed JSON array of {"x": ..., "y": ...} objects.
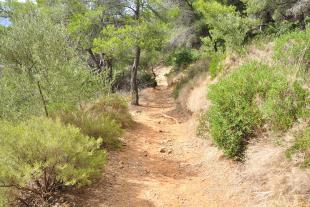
[{"x": 164, "y": 164}]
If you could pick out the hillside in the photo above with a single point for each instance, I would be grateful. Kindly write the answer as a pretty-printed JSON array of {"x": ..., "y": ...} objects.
[{"x": 154, "y": 103}]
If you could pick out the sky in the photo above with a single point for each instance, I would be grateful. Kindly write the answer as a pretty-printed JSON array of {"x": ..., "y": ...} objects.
[{"x": 6, "y": 21}]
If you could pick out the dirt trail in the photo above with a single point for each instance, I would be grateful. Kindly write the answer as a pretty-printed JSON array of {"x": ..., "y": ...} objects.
[{"x": 162, "y": 163}]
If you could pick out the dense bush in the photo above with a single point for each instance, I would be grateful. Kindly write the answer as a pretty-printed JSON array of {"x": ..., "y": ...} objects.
[
  {"x": 113, "y": 106},
  {"x": 301, "y": 146},
  {"x": 41, "y": 157},
  {"x": 181, "y": 57},
  {"x": 100, "y": 126},
  {"x": 294, "y": 48},
  {"x": 102, "y": 119},
  {"x": 251, "y": 96}
]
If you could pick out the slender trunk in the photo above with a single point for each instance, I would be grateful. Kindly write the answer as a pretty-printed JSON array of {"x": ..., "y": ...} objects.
[
  {"x": 136, "y": 63},
  {"x": 110, "y": 69},
  {"x": 42, "y": 98},
  {"x": 302, "y": 22},
  {"x": 133, "y": 81},
  {"x": 95, "y": 60}
]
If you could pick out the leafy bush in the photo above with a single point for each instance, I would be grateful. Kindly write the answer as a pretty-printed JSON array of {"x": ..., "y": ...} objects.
[
  {"x": 251, "y": 96},
  {"x": 42, "y": 157},
  {"x": 181, "y": 57},
  {"x": 97, "y": 126},
  {"x": 113, "y": 106},
  {"x": 215, "y": 66},
  {"x": 301, "y": 146},
  {"x": 103, "y": 119},
  {"x": 294, "y": 48}
]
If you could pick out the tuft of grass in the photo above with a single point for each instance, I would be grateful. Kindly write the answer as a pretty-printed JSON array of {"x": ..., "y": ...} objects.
[{"x": 301, "y": 146}]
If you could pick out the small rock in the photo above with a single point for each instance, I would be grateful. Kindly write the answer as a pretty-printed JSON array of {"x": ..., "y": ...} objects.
[
  {"x": 163, "y": 150},
  {"x": 145, "y": 154},
  {"x": 170, "y": 151},
  {"x": 161, "y": 131},
  {"x": 121, "y": 163}
]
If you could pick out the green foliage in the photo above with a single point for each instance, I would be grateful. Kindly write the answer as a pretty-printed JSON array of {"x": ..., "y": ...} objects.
[
  {"x": 101, "y": 127},
  {"x": 42, "y": 156},
  {"x": 227, "y": 26},
  {"x": 42, "y": 69},
  {"x": 103, "y": 119},
  {"x": 294, "y": 48},
  {"x": 113, "y": 106},
  {"x": 242, "y": 102},
  {"x": 115, "y": 40},
  {"x": 301, "y": 147},
  {"x": 215, "y": 63},
  {"x": 183, "y": 57}
]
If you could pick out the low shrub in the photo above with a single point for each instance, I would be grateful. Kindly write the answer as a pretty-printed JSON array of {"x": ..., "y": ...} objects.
[
  {"x": 181, "y": 57},
  {"x": 102, "y": 119},
  {"x": 42, "y": 157},
  {"x": 301, "y": 147},
  {"x": 97, "y": 126},
  {"x": 113, "y": 106},
  {"x": 242, "y": 102},
  {"x": 215, "y": 63},
  {"x": 294, "y": 48}
]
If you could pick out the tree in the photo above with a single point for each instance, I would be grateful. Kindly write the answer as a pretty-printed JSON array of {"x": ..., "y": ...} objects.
[
  {"x": 232, "y": 29},
  {"x": 142, "y": 28},
  {"x": 269, "y": 11},
  {"x": 38, "y": 53}
]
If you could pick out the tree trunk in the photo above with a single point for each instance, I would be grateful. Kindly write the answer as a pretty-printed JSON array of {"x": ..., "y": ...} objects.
[
  {"x": 99, "y": 63},
  {"x": 110, "y": 69},
  {"x": 133, "y": 81},
  {"x": 302, "y": 22},
  {"x": 42, "y": 98},
  {"x": 136, "y": 63}
]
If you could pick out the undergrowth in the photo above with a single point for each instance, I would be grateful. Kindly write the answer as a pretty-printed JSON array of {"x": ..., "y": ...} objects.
[
  {"x": 42, "y": 157},
  {"x": 301, "y": 148},
  {"x": 253, "y": 95},
  {"x": 104, "y": 119}
]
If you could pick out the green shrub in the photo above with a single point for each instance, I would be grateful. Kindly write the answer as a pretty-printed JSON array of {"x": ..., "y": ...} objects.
[
  {"x": 181, "y": 57},
  {"x": 301, "y": 146},
  {"x": 215, "y": 66},
  {"x": 113, "y": 106},
  {"x": 97, "y": 126},
  {"x": 251, "y": 96},
  {"x": 294, "y": 48},
  {"x": 40, "y": 157},
  {"x": 102, "y": 119}
]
